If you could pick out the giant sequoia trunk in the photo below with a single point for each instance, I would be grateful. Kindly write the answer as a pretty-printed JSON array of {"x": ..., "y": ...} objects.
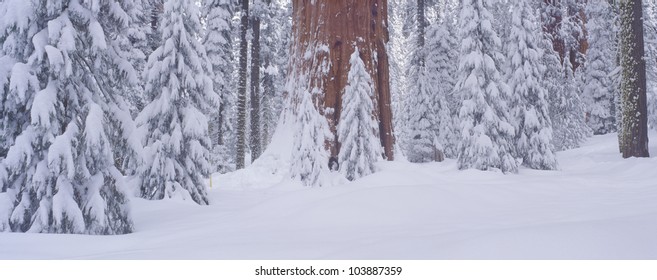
[{"x": 325, "y": 35}]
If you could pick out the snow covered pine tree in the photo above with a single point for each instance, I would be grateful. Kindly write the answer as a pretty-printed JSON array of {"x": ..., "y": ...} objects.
[
  {"x": 487, "y": 136},
  {"x": 528, "y": 104},
  {"x": 441, "y": 63},
  {"x": 567, "y": 111},
  {"x": 176, "y": 129},
  {"x": 430, "y": 122},
  {"x": 309, "y": 156},
  {"x": 598, "y": 91},
  {"x": 358, "y": 130},
  {"x": 219, "y": 46},
  {"x": 70, "y": 67}
]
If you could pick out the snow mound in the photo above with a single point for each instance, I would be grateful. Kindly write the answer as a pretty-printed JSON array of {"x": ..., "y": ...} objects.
[{"x": 272, "y": 168}]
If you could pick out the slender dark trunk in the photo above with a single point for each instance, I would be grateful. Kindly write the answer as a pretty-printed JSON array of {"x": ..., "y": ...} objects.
[
  {"x": 241, "y": 94},
  {"x": 267, "y": 83},
  {"x": 634, "y": 142},
  {"x": 421, "y": 26},
  {"x": 255, "y": 89},
  {"x": 267, "y": 95}
]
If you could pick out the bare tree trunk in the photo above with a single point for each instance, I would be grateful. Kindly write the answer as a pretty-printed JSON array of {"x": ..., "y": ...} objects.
[
  {"x": 255, "y": 88},
  {"x": 241, "y": 95},
  {"x": 634, "y": 142},
  {"x": 325, "y": 35}
]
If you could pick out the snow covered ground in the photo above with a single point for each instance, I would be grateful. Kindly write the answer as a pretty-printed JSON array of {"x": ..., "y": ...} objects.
[{"x": 598, "y": 206}]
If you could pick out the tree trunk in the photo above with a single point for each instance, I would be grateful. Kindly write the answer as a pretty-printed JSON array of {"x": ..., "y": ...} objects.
[
  {"x": 255, "y": 88},
  {"x": 421, "y": 25},
  {"x": 268, "y": 86},
  {"x": 241, "y": 94},
  {"x": 325, "y": 35},
  {"x": 634, "y": 142}
]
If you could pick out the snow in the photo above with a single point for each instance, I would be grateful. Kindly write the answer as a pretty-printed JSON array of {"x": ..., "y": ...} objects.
[
  {"x": 54, "y": 56},
  {"x": 20, "y": 81},
  {"x": 5, "y": 202},
  {"x": 15, "y": 14},
  {"x": 597, "y": 206},
  {"x": 97, "y": 35}
]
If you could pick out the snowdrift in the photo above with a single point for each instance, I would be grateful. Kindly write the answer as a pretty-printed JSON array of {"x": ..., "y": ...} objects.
[{"x": 598, "y": 206}]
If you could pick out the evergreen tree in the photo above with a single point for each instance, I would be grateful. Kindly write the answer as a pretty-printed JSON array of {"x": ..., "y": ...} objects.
[
  {"x": 60, "y": 170},
  {"x": 153, "y": 12},
  {"x": 423, "y": 145},
  {"x": 219, "y": 45},
  {"x": 309, "y": 161},
  {"x": 275, "y": 39},
  {"x": 138, "y": 34},
  {"x": 179, "y": 86},
  {"x": 441, "y": 65},
  {"x": 551, "y": 72},
  {"x": 17, "y": 82},
  {"x": 570, "y": 30},
  {"x": 598, "y": 89},
  {"x": 487, "y": 135},
  {"x": 358, "y": 131},
  {"x": 567, "y": 112},
  {"x": 402, "y": 70},
  {"x": 427, "y": 121},
  {"x": 502, "y": 12},
  {"x": 528, "y": 97}
]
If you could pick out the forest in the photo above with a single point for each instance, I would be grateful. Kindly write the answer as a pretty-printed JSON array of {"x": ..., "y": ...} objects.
[{"x": 107, "y": 106}]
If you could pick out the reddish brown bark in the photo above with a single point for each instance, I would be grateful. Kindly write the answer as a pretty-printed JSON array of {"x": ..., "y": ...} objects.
[
  {"x": 338, "y": 26},
  {"x": 552, "y": 26}
]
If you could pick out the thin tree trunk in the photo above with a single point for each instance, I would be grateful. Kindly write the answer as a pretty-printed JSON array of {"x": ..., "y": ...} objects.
[
  {"x": 255, "y": 88},
  {"x": 267, "y": 84},
  {"x": 241, "y": 95},
  {"x": 267, "y": 95},
  {"x": 634, "y": 142},
  {"x": 421, "y": 25},
  {"x": 329, "y": 30}
]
